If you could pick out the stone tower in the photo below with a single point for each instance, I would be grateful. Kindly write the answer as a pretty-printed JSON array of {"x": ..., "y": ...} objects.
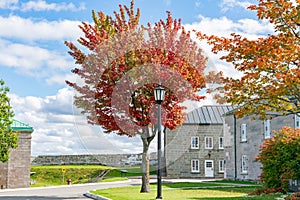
[{"x": 16, "y": 172}]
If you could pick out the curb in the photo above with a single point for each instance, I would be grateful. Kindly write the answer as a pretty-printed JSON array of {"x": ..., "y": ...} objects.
[{"x": 96, "y": 197}]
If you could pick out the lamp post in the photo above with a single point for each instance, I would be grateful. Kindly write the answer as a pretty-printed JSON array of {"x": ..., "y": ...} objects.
[{"x": 159, "y": 95}]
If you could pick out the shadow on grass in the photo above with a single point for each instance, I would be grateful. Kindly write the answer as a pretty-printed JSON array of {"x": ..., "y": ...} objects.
[
  {"x": 220, "y": 198},
  {"x": 187, "y": 185},
  {"x": 264, "y": 197},
  {"x": 236, "y": 182}
]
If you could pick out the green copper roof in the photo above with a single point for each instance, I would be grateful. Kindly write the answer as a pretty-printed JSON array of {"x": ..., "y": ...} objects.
[{"x": 20, "y": 126}]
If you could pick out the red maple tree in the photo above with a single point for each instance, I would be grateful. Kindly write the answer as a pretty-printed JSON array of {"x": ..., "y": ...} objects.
[{"x": 121, "y": 65}]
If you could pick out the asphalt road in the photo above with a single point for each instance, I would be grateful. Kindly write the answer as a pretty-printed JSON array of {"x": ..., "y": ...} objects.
[{"x": 68, "y": 192}]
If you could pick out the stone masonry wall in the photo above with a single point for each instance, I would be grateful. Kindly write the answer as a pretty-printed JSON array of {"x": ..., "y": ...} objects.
[
  {"x": 250, "y": 148},
  {"x": 115, "y": 160},
  {"x": 16, "y": 172},
  {"x": 179, "y": 153},
  {"x": 19, "y": 163},
  {"x": 3, "y": 175}
]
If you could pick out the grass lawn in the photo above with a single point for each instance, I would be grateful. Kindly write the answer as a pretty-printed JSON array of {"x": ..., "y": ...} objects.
[
  {"x": 114, "y": 179},
  {"x": 180, "y": 191},
  {"x": 52, "y": 175},
  {"x": 131, "y": 171}
]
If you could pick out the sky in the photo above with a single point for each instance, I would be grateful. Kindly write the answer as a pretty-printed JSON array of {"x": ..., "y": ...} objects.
[{"x": 34, "y": 62}]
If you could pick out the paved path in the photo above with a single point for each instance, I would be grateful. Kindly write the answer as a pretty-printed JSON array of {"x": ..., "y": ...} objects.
[
  {"x": 73, "y": 192},
  {"x": 69, "y": 192}
]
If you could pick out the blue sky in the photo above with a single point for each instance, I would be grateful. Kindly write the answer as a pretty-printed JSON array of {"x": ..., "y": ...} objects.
[{"x": 34, "y": 62}]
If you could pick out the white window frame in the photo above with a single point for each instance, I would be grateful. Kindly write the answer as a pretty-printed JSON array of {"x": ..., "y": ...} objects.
[
  {"x": 209, "y": 142},
  {"x": 221, "y": 142},
  {"x": 194, "y": 145},
  {"x": 297, "y": 121},
  {"x": 244, "y": 164},
  {"x": 221, "y": 166},
  {"x": 243, "y": 132},
  {"x": 195, "y": 166},
  {"x": 267, "y": 129}
]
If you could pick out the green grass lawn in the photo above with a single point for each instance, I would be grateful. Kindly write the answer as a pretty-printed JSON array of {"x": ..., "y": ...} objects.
[
  {"x": 52, "y": 175},
  {"x": 113, "y": 179},
  {"x": 180, "y": 191},
  {"x": 131, "y": 171}
]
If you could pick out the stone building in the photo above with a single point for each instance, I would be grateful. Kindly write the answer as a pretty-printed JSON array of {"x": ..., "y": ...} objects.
[
  {"x": 16, "y": 172},
  {"x": 196, "y": 149},
  {"x": 242, "y": 139}
]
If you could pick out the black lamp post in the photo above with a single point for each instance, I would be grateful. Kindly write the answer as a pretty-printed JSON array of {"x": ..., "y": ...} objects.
[{"x": 159, "y": 95}]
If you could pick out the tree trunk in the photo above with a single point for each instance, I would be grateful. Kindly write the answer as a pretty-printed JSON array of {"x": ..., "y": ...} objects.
[
  {"x": 146, "y": 139},
  {"x": 145, "y": 167}
]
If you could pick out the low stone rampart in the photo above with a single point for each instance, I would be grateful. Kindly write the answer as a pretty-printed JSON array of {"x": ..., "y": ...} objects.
[{"x": 115, "y": 160}]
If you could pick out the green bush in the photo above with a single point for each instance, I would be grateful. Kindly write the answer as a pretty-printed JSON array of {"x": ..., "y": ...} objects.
[{"x": 280, "y": 157}]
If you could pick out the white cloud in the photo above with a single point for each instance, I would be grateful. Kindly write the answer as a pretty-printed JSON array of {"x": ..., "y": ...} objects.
[
  {"x": 223, "y": 27},
  {"x": 229, "y": 4},
  {"x": 28, "y": 29},
  {"x": 41, "y": 5},
  {"x": 27, "y": 56},
  {"x": 60, "y": 129},
  {"x": 34, "y": 61},
  {"x": 252, "y": 29},
  {"x": 60, "y": 78},
  {"x": 9, "y": 4}
]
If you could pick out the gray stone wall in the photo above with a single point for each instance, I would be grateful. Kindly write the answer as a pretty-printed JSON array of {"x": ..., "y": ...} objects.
[
  {"x": 250, "y": 148},
  {"x": 115, "y": 160},
  {"x": 179, "y": 152},
  {"x": 3, "y": 175},
  {"x": 16, "y": 172},
  {"x": 19, "y": 163}
]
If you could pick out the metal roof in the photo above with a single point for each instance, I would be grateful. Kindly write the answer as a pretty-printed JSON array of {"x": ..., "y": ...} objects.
[
  {"x": 20, "y": 126},
  {"x": 208, "y": 114}
]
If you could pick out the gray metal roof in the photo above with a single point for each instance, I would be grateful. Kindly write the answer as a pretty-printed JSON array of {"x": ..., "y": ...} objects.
[{"x": 208, "y": 114}]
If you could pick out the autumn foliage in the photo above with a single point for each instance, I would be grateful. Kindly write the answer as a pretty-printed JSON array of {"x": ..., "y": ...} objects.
[
  {"x": 121, "y": 55},
  {"x": 270, "y": 66},
  {"x": 121, "y": 64},
  {"x": 280, "y": 157}
]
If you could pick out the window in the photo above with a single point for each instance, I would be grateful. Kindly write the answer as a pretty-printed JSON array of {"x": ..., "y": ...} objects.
[
  {"x": 194, "y": 142},
  {"x": 195, "y": 167},
  {"x": 221, "y": 165},
  {"x": 221, "y": 143},
  {"x": 244, "y": 164},
  {"x": 243, "y": 133},
  {"x": 267, "y": 130},
  {"x": 297, "y": 121},
  {"x": 208, "y": 142}
]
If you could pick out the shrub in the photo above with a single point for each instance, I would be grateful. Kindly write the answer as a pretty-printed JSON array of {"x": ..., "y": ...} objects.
[
  {"x": 280, "y": 158},
  {"x": 259, "y": 192},
  {"x": 295, "y": 196}
]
